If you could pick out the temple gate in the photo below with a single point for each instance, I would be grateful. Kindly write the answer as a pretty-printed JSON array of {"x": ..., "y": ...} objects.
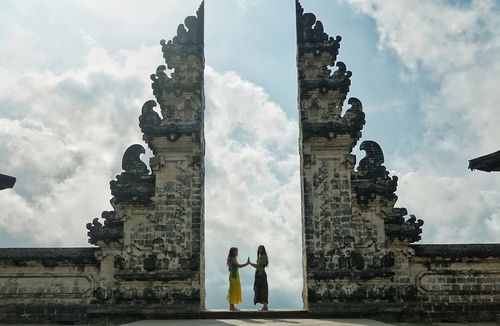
[{"x": 358, "y": 253}]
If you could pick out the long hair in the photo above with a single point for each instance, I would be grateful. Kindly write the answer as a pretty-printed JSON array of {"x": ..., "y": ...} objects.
[
  {"x": 231, "y": 256},
  {"x": 261, "y": 251}
]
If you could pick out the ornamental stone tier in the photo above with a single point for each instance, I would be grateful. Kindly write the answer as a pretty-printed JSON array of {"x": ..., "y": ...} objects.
[{"x": 359, "y": 253}]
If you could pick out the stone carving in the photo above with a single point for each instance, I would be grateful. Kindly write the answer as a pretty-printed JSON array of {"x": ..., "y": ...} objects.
[
  {"x": 111, "y": 231},
  {"x": 135, "y": 184},
  {"x": 131, "y": 161},
  {"x": 372, "y": 179},
  {"x": 189, "y": 39},
  {"x": 187, "y": 44},
  {"x": 160, "y": 80},
  {"x": 342, "y": 78},
  {"x": 317, "y": 54},
  {"x": 149, "y": 119},
  {"x": 351, "y": 123},
  {"x": 311, "y": 36},
  {"x": 396, "y": 227},
  {"x": 178, "y": 94}
]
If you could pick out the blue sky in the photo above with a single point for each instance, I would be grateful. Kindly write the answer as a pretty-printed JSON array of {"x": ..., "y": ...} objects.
[{"x": 75, "y": 74}]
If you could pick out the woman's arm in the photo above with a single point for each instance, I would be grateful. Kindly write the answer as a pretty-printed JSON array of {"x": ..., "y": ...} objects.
[
  {"x": 243, "y": 265},
  {"x": 258, "y": 263}
]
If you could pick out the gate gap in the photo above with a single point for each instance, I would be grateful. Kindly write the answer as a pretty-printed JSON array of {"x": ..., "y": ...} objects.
[{"x": 252, "y": 186}]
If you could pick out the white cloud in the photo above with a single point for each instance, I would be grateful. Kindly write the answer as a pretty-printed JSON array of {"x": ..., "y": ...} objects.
[
  {"x": 116, "y": 10},
  {"x": 68, "y": 143},
  {"x": 456, "y": 49},
  {"x": 246, "y": 4},
  {"x": 252, "y": 188}
]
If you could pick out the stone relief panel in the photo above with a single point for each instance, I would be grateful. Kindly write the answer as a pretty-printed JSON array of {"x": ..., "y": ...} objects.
[
  {"x": 180, "y": 108},
  {"x": 151, "y": 293},
  {"x": 322, "y": 108},
  {"x": 456, "y": 282},
  {"x": 45, "y": 285},
  {"x": 347, "y": 291},
  {"x": 331, "y": 217}
]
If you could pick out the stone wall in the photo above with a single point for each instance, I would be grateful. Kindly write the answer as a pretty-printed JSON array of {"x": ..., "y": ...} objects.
[
  {"x": 456, "y": 282},
  {"x": 47, "y": 284}
]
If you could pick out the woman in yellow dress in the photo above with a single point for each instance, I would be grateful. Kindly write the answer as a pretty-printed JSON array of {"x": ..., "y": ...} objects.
[{"x": 234, "y": 291}]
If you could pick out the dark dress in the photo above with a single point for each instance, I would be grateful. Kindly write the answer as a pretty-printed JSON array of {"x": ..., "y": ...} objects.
[{"x": 260, "y": 284}]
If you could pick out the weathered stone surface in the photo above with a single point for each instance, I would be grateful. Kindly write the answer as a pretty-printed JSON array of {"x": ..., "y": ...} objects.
[
  {"x": 46, "y": 284},
  {"x": 457, "y": 251},
  {"x": 358, "y": 258},
  {"x": 21, "y": 256}
]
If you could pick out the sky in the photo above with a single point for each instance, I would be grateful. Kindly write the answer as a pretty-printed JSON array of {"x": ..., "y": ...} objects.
[{"x": 75, "y": 73}]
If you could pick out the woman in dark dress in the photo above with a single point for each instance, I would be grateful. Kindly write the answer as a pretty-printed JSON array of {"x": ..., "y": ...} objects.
[{"x": 260, "y": 287}]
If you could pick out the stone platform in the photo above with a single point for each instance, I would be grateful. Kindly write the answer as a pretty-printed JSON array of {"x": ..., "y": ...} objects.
[
  {"x": 261, "y": 321},
  {"x": 288, "y": 322}
]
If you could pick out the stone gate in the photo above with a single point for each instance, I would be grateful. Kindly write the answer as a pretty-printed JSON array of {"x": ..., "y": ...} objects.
[{"x": 358, "y": 253}]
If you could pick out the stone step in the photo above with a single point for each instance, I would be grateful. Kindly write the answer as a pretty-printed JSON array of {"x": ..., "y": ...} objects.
[
  {"x": 253, "y": 314},
  {"x": 132, "y": 312}
]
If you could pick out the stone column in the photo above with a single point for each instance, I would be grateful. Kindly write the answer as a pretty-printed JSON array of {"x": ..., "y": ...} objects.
[
  {"x": 152, "y": 244},
  {"x": 355, "y": 242},
  {"x": 326, "y": 140}
]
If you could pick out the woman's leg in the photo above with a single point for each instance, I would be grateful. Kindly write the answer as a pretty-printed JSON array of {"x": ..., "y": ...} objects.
[{"x": 265, "y": 292}]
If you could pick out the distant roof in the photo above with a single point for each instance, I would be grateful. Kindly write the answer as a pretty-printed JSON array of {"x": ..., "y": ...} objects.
[
  {"x": 6, "y": 181},
  {"x": 488, "y": 163}
]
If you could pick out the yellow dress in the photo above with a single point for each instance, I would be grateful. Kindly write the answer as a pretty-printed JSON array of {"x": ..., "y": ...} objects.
[{"x": 234, "y": 291}]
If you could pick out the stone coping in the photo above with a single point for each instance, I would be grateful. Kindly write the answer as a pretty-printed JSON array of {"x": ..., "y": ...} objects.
[
  {"x": 72, "y": 254},
  {"x": 477, "y": 250}
]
